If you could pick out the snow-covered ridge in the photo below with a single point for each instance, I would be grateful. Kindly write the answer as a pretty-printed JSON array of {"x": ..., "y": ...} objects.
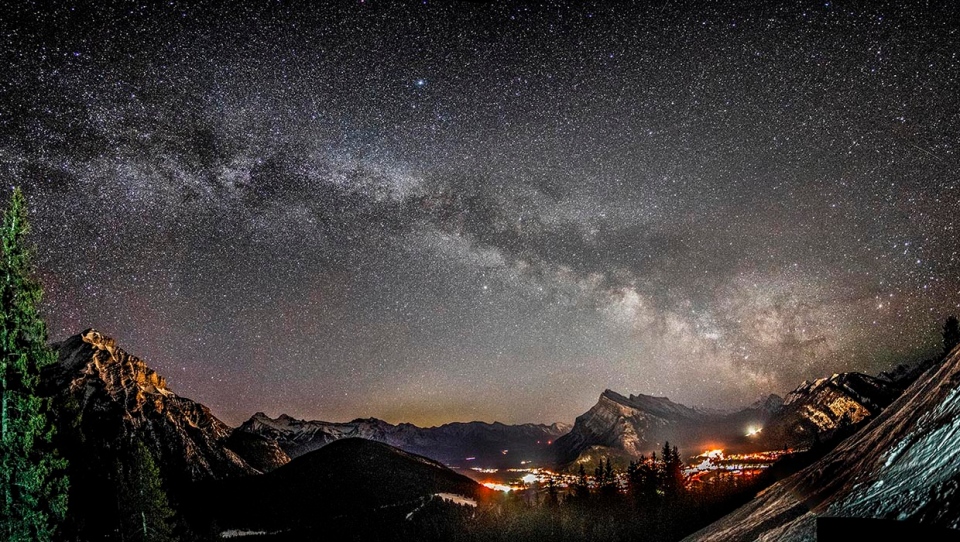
[
  {"x": 445, "y": 442},
  {"x": 902, "y": 465}
]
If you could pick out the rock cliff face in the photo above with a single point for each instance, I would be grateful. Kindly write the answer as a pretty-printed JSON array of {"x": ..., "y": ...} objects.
[
  {"x": 451, "y": 443},
  {"x": 626, "y": 427},
  {"x": 901, "y": 466},
  {"x": 631, "y": 425},
  {"x": 116, "y": 398}
]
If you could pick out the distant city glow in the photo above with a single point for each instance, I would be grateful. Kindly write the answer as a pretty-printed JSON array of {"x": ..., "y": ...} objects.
[
  {"x": 529, "y": 479},
  {"x": 498, "y": 487},
  {"x": 748, "y": 464}
]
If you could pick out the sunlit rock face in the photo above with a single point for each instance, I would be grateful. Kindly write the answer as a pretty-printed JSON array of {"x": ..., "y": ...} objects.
[
  {"x": 98, "y": 363},
  {"x": 117, "y": 398},
  {"x": 815, "y": 410}
]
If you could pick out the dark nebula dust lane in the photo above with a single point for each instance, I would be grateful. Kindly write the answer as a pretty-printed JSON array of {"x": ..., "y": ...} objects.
[{"x": 440, "y": 211}]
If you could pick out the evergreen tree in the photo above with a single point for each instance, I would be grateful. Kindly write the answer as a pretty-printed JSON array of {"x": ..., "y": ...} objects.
[
  {"x": 145, "y": 513},
  {"x": 642, "y": 479},
  {"x": 664, "y": 466},
  {"x": 552, "y": 499},
  {"x": 671, "y": 471},
  {"x": 633, "y": 468},
  {"x": 951, "y": 334},
  {"x": 608, "y": 489},
  {"x": 583, "y": 490},
  {"x": 675, "y": 470},
  {"x": 33, "y": 486}
]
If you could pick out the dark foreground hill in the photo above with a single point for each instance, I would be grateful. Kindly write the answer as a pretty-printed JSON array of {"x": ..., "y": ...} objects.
[{"x": 351, "y": 487}]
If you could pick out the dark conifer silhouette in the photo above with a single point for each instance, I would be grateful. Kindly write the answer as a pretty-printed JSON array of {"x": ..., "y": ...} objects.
[
  {"x": 951, "y": 334},
  {"x": 145, "y": 512}
]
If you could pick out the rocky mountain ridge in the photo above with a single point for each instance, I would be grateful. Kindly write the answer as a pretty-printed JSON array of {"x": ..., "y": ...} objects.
[
  {"x": 110, "y": 407},
  {"x": 116, "y": 397},
  {"x": 625, "y": 427},
  {"x": 815, "y": 410}
]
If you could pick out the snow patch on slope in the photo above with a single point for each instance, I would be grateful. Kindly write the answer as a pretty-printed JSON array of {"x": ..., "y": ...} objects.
[
  {"x": 457, "y": 499},
  {"x": 928, "y": 452}
]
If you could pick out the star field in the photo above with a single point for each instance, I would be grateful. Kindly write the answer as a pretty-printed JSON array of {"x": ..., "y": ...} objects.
[{"x": 439, "y": 211}]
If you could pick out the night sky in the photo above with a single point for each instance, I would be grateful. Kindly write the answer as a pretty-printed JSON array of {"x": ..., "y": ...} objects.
[{"x": 440, "y": 211}]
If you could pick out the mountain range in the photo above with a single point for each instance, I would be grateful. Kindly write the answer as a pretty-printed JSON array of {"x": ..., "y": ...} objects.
[
  {"x": 488, "y": 445},
  {"x": 109, "y": 400},
  {"x": 116, "y": 396}
]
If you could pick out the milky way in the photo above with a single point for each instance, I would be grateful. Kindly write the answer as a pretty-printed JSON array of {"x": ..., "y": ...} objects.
[{"x": 445, "y": 211}]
